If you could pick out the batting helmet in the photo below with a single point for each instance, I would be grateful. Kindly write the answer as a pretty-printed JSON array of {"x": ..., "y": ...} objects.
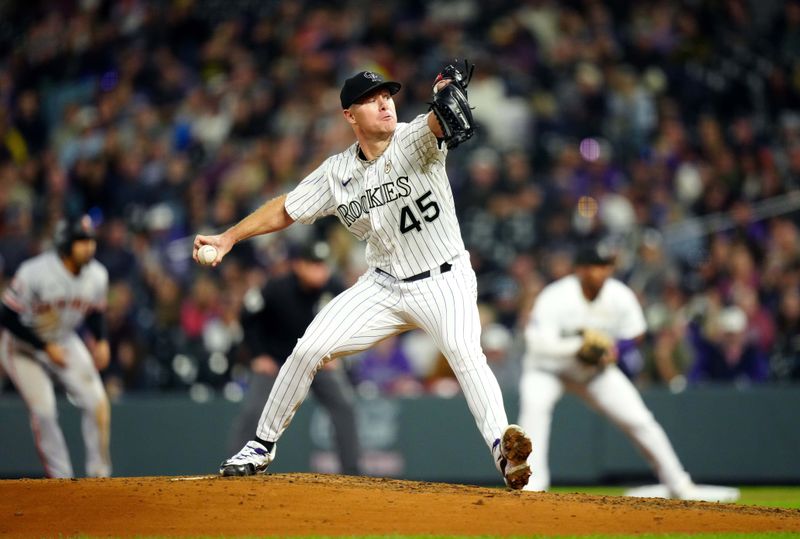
[{"x": 70, "y": 230}]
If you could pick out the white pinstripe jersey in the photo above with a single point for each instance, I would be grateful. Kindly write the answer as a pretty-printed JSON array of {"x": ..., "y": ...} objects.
[
  {"x": 400, "y": 203},
  {"x": 561, "y": 311},
  {"x": 51, "y": 300}
]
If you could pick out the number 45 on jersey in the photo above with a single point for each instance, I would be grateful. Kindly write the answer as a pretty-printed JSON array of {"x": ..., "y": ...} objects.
[{"x": 428, "y": 210}]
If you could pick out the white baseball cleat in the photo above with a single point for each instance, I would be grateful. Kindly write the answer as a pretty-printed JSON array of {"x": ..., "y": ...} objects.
[
  {"x": 690, "y": 492},
  {"x": 253, "y": 458},
  {"x": 511, "y": 453},
  {"x": 708, "y": 493},
  {"x": 98, "y": 470}
]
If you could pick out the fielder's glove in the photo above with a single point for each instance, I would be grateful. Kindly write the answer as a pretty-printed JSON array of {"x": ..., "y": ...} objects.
[
  {"x": 451, "y": 106},
  {"x": 597, "y": 348}
]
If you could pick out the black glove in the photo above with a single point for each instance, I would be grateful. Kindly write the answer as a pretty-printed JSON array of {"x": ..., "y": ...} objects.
[{"x": 451, "y": 106}]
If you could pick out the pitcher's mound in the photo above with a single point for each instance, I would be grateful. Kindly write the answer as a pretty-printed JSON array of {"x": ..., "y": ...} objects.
[{"x": 312, "y": 504}]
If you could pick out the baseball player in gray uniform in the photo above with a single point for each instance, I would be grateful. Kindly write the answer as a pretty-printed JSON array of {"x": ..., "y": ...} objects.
[
  {"x": 391, "y": 190},
  {"x": 590, "y": 305},
  {"x": 51, "y": 296}
]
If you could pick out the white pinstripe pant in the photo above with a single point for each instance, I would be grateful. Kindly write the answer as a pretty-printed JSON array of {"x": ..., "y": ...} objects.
[
  {"x": 379, "y": 306},
  {"x": 611, "y": 393}
]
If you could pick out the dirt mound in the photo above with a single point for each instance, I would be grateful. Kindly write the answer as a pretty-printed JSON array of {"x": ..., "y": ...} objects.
[{"x": 306, "y": 504}]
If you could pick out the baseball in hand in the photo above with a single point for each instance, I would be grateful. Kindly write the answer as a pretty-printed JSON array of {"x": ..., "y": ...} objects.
[{"x": 207, "y": 254}]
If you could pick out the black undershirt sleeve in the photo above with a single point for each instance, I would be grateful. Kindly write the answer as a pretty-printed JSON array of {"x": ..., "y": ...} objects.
[
  {"x": 96, "y": 324},
  {"x": 9, "y": 318}
]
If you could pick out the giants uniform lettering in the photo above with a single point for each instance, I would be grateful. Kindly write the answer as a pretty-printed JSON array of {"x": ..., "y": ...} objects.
[
  {"x": 373, "y": 198},
  {"x": 51, "y": 300},
  {"x": 75, "y": 304}
]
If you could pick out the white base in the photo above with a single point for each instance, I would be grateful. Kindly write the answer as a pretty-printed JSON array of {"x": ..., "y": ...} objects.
[{"x": 698, "y": 493}]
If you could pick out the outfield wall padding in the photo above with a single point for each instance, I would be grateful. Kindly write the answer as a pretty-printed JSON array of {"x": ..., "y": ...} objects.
[{"x": 726, "y": 435}]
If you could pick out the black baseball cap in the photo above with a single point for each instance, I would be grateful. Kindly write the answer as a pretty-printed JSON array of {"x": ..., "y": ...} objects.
[
  {"x": 595, "y": 254},
  {"x": 363, "y": 83},
  {"x": 313, "y": 252}
]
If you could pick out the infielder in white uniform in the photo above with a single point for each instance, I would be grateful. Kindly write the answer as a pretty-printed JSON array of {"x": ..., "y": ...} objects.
[
  {"x": 391, "y": 190},
  {"x": 590, "y": 300},
  {"x": 50, "y": 297}
]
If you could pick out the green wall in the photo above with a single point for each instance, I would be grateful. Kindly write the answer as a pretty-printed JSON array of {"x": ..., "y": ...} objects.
[{"x": 721, "y": 435}]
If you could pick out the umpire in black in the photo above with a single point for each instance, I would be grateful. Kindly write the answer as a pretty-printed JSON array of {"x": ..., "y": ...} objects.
[{"x": 272, "y": 320}]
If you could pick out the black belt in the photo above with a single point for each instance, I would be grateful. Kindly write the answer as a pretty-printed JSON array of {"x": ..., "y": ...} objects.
[{"x": 444, "y": 268}]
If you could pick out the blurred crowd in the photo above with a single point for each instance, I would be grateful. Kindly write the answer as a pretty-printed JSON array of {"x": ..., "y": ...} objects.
[{"x": 670, "y": 127}]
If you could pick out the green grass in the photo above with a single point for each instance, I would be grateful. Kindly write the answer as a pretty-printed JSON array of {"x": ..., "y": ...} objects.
[
  {"x": 762, "y": 535},
  {"x": 785, "y": 497},
  {"x": 776, "y": 535}
]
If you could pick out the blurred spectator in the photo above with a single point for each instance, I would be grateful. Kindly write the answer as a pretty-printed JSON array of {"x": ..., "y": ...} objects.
[
  {"x": 723, "y": 352},
  {"x": 652, "y": 270},
  {"x": 126, "y": 370},
  {"x": 668, "y": 355},
  {"x": 785, "y": 356},
  {"x": 201, "y": 307},
  {"x": 497, "y": 343},
  {"x": 384, "y": 369},
  {"x": 115, "y": 253},
  {"x": 17, "y": 243},
  {"x": 676, "y": 132}
]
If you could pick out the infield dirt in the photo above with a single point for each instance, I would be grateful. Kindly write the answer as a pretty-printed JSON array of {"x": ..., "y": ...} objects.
[{"x": 314, "y": 504}]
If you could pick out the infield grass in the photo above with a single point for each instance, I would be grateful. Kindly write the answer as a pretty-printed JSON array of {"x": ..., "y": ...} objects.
[
  {"x": 775, "y": 535},
  {"x": 765, "y": 535}
]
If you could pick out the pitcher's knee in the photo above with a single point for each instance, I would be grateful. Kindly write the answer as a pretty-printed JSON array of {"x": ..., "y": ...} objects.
[
  {"x": 465, "y": 353},
  {"x": 308, "y": 357},
  {"x": 463, "y": 363}
]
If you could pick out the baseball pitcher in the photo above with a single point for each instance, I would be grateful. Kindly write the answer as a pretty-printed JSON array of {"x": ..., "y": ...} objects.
[
  {"x": 51, "y": 296},
  {"x": 391, "y": 190}
]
